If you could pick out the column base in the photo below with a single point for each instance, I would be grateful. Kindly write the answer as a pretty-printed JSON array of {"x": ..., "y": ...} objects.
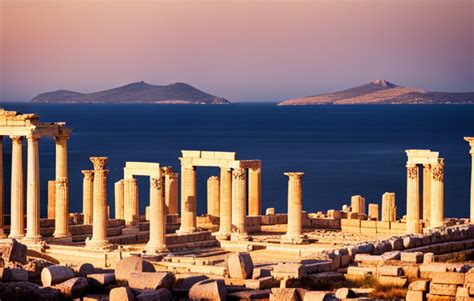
[
  {"x": 61, "y": 235},
  {"x": 294, "y": 239},
  {"x": 98, "y": 244},
  {"x": 221, "y": 235},
  {"x": 239, "y": 237},
  {"x": 186, "y": 231},
  {"x": 156, "y": 249},
  {"x": 16, "y": 235},
  {"x": 414, "y": 227},
  {"x": 32, "y": 239}
]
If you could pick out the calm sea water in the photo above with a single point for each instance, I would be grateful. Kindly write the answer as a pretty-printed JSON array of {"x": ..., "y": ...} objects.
[{"x": 343, "y": 150}]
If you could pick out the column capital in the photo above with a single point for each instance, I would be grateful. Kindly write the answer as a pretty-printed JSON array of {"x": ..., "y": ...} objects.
[
  {"x": 437, "y": 171},
  {"x": 63, "y": 181},
  {"x": 427, "y": 166},
  {"x": 192, "y": 167},
  {"x": 294, "y": 175},
  {"x": 63, "y": 135},
  {"x": 213, "y": 178},
  {"x": 470, "y": 140},
  {"x": 88, "y": 174},
  {"x": 412, "y": 170},
  {"x": 238, "y": 174},
  {"x": 33, "y": 136},
  {"x": 172, "y": 175},
  {"x": 16, "y": 138},
  {"x": 167, "y": 170},
  {"x": 99, "y": 162},
  {"x": 156, "y": 183}
]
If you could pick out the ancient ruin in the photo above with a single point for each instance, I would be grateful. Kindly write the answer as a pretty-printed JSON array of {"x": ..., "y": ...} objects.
[{"x": 233, "y": 252}]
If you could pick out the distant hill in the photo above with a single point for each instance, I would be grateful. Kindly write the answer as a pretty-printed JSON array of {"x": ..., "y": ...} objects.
[
  {"x": 140, "y": 92},
  {"x": 382, "y": 92}
]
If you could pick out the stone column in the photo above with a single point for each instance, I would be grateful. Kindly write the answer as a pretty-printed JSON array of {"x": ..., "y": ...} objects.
[
  {"x": 171, "y": 192},
  {"x": 388, "y": 207},
  {"x": 2, "y": 223},
  {"x": 426, "y": 192},
  {"x": 213, "y": 206},
  {"x": 131, "y": 213},
  {"x": 358, "y": 204},
  {"x": 61, "y": 155},
  {"x": 294, "y": 233},
  {"x": 51, "y": 199},
  {"x": 255, "y": 191},
  {"x": 225, "y": 221},
  {"x": 61, "y": 225},
  {"x": 188, "y": 200},
  {"x": 239, "y": 202},
  {"x": 17, "y": 209},
  {"x": 99, "y": 225},
  {"x": 413, "y": 200},
  {"x": 373, "y": 212},
  {"x": 470, "y": 140},
  {"x": 87, "y": 196},
  {"x": 157, "y": 243},
  {"x": 119, "y": 199},
  {"x": 32, "y": 191},
  {"x": 437, "y": 194}
]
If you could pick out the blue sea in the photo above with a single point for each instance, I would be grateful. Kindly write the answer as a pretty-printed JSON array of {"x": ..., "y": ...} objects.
[{"x": 343, "y": 150}]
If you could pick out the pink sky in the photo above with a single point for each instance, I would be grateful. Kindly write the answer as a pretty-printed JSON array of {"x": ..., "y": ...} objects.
[{"x": 240, "y": 50}]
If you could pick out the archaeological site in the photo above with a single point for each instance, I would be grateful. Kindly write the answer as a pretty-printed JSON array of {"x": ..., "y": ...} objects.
[{"x": 239, "y": 250}]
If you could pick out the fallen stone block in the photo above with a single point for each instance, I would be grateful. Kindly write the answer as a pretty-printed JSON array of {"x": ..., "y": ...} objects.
[
  {"x": 447, "y": 278},
  {"x": 13, "y": 275},
  {"x": 362, "y": 271},
  {"x": 13, "y": 251},
  {"x": 284, "y": 294},
  {"x": 208, "y": 290},
  {"x": 419, "y": 285},
  {"x": 73, "y": 288},
  {"x": 427, "y": 269},
  {"x": 397, "y": 243},
  {"x": 56, "y": 274},
  {"x": 416, "y": 257},
  {"x": 130, "y": 265},
  {"x": 432, "y": 297},
  {"x": 102, "y": 278},
  {"x": 367, "y": 258},
  {"x": 261, "y": 283},
  {"x": 155, "y": 295},
  {"x": 240, "y": 265},
  {"x": 151, "y": 280},
  {"x": 121, "y": 294},
  {"x": 390, "y": 271},
  {"x": 185, "y": 282},
  {"x": 318, "y": 267},
  {"x": 462, "y": 292},
  {"x": 345, "y": 293},
  {"x": 428, "y": 257},
  {"x": 392, "y": 281},
  {"x": 18, "y": 291},
  {"x": 261, "y": 272},
  {"x": 414, "y": 296},
  {"x": 392, "y": 255},
  {"x": 85, "y": 269},
  {"x": 318, "y": 296},
  {"x": 96, "y": 297},
  {"x": 289, "y": 270},
  {"x": 249, "y": 295},
  {"x": 443, "y": 289}
]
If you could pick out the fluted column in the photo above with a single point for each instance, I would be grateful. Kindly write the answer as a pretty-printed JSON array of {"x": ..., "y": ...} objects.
[
  {"x": 33, "y": 191},
  {"x": 119, "y": 199},
  {"x": 61, "y": 155},
  {"x": 171, "y": 191},
  {"x": 188, "y": 200},
  {"x": 225, "y": 221},
  {"x": 131, "y": 213},
  {"x": 87, "y": 196},
  {"x": 61, "y": 225},
  {"x": 2, "y": 223},
  {"x": 51, "y": 199},
  {"x": 213, "y": 206},
  {"x": 99, "y": 224},
  {"x": 437, "y": 194},
  {"x": 17, "y": 209},
  {"x": 470, "y": 140},
  {"x": 426, "y": 192},
  {"x": 294, "y": 233},
  {"x": 157, "y": 243},
  {"x": 239, "y": 202},
  {"x": 255, "y": 191},
  {"x": 413, "y": 200}
]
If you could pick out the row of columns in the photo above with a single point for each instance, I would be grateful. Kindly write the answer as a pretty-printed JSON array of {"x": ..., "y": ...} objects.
[{"x": 17, "y": 225}]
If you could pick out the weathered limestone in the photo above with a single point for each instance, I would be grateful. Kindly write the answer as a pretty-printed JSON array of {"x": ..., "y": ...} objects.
[
  {"x": 151, "y": 280},
  {"x": 2, "y": 233},
  {"x": 32, "y": 191},
  {"x": 373, "y": 212},
  {"x": 255, "y": 191},
  {"x": 119, "y": 199},
  {"x": 99, "y": 226},
  {"x": 413, "y": 199},
  {"x": 131, "y": 264},
  {"x": 470, "y": 140},
  {"x": 358, "y": 204},
  {"x": 157, "y": 243},
  {"x": 239, "y": 202},
  {"x": 17, "y": 224},
  {"x": 225, "y": 225},
  {"x": 88, "y": 196},
  {"x": 188, "y": 200},
  {"x": 437, "y": 194},
  {"x": 122, "y": 293},
  {"x": 208, "y": 290},
  {"x": 73, "y": 288},
  {"x": 131, "y": 202},
  {"x": 389, "y": 210},
  {"x": 61, "y": 225},
  {"x": 55, "y": 274},
  {"x": 171, "y": 191},
  {"x": 294, "y": 233},
  {"x": 213, "y": 197},
  {"x": 52, "y": 199},
  {"x": 426, "y": 192},
  {"x": 240, "y": 265}
]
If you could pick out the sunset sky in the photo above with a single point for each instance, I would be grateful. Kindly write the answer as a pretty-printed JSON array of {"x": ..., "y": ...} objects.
[{"x": 240, "y": 50}]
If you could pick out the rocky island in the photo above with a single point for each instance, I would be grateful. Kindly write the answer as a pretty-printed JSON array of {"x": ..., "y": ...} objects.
[
  {"x": 382, "y": 92},
  {"x": 139, "y": 92}
]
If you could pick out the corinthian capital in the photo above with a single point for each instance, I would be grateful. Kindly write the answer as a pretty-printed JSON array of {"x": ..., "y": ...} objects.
[
  {"x": 238, "y": 174},
  {"x": 294, "y": 175},
  {"x": 99, "y": 162},
  {"x": 88, "y": 174}
]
